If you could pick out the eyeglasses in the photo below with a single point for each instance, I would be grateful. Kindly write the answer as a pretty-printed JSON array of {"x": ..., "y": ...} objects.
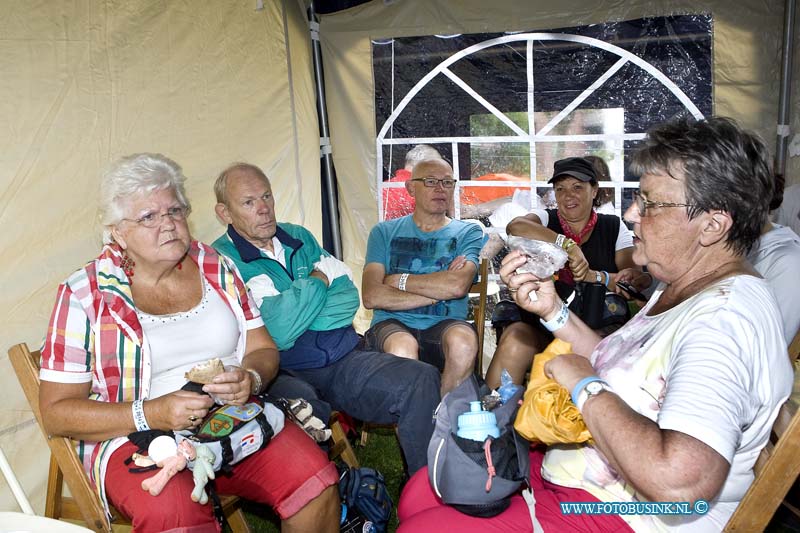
[
  {"x": 152, "y": 220},
  {"x": 642, "y": 204},
  {"x": 433, "y": 182}
]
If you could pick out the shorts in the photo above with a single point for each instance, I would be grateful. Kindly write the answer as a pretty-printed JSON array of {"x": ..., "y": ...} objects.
[
  {"x": 286, "y": 475},
  {"x": 429, "y": 340}
]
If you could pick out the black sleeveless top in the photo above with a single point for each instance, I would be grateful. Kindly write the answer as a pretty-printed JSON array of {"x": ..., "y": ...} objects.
[{"x": 599, "y": 250}]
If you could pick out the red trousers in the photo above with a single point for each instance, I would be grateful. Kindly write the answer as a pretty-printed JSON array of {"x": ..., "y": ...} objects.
[{"x": 286, "y": 475}]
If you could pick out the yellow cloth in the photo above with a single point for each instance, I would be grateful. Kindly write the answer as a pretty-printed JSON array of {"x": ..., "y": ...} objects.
[{"x": 547, "y": 413}]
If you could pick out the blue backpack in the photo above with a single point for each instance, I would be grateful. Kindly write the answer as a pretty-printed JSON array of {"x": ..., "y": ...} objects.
[{"x": 364, "y": 490}]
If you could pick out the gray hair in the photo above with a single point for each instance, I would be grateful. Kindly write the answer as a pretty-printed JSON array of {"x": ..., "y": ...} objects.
[
  {"x": 133, "y": 175},
  {"x": 421, "y": 152},
  {"x": 725, "y": 167},
  {"x": 221, "y": 183}
]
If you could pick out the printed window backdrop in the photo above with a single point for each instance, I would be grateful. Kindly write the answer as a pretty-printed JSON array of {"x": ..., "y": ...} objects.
[{"x": 499, "y": 105}]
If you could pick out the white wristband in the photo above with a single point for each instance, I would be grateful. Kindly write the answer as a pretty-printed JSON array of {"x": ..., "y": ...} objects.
[
  {"x": 402, "y": 283},
  {"x": 558, "y": 321},
  {"x": 138, "y": 415}
]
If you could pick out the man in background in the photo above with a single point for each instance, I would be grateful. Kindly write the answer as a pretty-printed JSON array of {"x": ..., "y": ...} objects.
[
  {"x": 396, "y": 201},
  {"x": 418, "y": 271},
  {"x": 788, "y": 214}
]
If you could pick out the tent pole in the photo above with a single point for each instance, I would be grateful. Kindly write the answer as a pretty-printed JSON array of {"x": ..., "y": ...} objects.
[
  {"x": 13, "y": 484},
  {"x": 784, "y": 118},
  {"x": 324, "y": 141}
]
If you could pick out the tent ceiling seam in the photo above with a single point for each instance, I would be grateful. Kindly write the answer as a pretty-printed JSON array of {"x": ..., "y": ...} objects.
[{"x": 18, "y": 426}]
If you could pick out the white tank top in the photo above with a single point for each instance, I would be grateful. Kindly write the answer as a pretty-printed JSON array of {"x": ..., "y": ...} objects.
[{"x": 178, "y": 341}]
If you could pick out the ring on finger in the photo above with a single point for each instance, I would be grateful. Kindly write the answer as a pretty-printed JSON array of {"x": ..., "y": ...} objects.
[
  {"x": 192, "y": 418},
  {"x": 512, "y": 289}
]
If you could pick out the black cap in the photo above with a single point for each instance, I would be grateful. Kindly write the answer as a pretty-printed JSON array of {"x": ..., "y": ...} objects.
[{"x": 576, "y": 167}]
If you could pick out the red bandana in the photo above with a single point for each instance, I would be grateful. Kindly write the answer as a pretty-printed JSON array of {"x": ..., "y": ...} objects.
[{"x": 565, "y": 274}]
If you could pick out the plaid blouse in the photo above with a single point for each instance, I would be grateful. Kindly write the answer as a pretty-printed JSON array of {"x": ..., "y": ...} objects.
[{"x": 95, "y": 336}]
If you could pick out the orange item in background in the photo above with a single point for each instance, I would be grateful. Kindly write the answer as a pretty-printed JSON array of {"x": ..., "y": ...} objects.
[
  {"x": 397, "y": 202},
  {"x": 547, "y": 414},
  {"x": 479, "y": 195}
]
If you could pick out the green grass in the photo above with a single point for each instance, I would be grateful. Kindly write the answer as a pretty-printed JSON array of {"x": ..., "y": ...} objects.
[{"x": 382, "y": 453}]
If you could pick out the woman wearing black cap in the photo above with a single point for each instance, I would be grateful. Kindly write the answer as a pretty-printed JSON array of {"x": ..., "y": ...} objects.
[{"x": 598, "y": 246}]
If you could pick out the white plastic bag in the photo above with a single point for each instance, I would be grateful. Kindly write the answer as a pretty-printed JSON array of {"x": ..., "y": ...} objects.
[{"x": 544, "y": 258}]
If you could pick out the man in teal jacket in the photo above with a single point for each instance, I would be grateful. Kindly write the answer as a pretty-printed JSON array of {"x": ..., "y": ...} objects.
[{"x": 307, "y": 300}]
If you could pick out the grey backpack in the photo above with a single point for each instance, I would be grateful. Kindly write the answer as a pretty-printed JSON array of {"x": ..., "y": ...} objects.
[{"x": 459, "y": 469}]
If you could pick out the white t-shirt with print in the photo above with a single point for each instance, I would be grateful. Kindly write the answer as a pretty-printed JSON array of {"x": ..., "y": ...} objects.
[{"x": 714, "y": 367}]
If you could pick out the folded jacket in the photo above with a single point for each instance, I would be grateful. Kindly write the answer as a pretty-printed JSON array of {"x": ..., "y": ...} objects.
[{"x": 547, "y": 414}]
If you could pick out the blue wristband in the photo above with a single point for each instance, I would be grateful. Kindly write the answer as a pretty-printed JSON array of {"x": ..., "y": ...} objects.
[
  {"x": 580, "y": 385},
  {"x": 607, "y": 278}
]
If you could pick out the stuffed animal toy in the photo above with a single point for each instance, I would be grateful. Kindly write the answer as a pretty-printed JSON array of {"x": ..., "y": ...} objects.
[
  {"x": 170, "y": 457},
  {"x": 202, "y": 471}
]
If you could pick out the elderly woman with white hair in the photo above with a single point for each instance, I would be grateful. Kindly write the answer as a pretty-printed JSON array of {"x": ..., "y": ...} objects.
[{"x": 125, "y": 329}]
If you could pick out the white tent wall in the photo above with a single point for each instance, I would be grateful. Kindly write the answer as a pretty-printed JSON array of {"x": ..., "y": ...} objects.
[
  {"x": 83, "y": 82},
  {"x": 747, "y": 44}
]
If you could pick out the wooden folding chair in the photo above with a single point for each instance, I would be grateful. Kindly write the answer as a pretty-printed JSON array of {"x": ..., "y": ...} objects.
[
  {"x": 776, "y": 470},
  {"x": 479, "y": 312},
  {"x": 65, "y": 465},
  {"x": 794, "y": 347},
  {"x": 341, "y": 446}
]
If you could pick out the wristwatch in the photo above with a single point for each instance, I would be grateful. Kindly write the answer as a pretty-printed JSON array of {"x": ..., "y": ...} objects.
[{"x": 593, "y": 388}]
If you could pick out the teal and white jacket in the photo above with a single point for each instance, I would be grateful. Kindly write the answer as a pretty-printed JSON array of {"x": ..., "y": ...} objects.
[{"x": 312, "y": 324}]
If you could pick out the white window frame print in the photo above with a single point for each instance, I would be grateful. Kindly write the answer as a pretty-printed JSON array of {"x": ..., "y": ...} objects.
[{"x": 529, "y": 137}]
